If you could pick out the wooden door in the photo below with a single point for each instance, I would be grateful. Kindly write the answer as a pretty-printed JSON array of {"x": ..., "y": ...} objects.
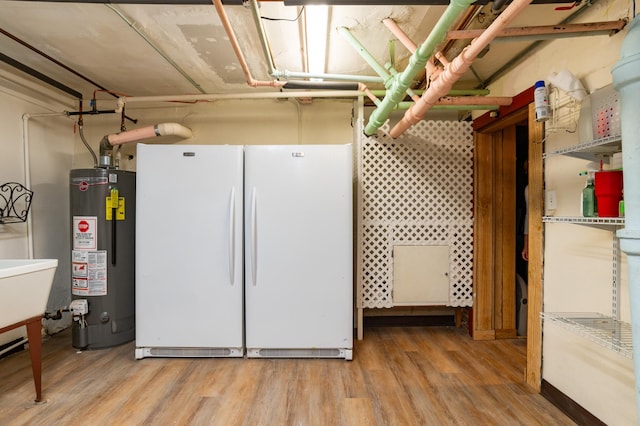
[{"x": 493, "y": 233}]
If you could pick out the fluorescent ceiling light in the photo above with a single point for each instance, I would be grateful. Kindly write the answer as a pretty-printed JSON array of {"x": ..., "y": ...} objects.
[{"x": 317, "y": 23}]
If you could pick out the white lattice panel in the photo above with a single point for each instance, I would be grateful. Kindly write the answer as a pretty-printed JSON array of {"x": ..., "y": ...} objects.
[{"x": 415, "y": 190}]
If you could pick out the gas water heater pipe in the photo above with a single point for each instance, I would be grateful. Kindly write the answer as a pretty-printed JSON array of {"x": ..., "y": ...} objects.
[
  {"x": 162, "y": 129},
  {"x": 626, "y": 80},
  {"x": 454, "y": 70},
  {"x": 416, "y": 63}
]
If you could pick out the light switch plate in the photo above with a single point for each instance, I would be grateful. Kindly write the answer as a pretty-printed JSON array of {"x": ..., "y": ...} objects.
[{"x": 550, "y": 201}]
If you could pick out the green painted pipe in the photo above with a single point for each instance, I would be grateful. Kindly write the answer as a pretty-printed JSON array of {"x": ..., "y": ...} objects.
[
  {"x": 416, "y": 63},
  {"x": 364, "y": 53},
  {"x": 412, "y": 94}
]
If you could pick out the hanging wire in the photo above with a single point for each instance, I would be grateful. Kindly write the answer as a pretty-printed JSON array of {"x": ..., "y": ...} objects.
[{"x": 284, "y": 19}]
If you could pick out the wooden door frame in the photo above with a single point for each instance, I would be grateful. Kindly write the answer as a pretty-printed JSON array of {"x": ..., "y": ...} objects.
[{"x": 483, "y": 310}]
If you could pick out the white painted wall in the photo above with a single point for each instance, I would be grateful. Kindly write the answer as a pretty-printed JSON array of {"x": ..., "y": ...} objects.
[
  {"x": 50, "y": 147},
  {"x": 578, "y": 266},
  {"x": 233, "y": 122}
]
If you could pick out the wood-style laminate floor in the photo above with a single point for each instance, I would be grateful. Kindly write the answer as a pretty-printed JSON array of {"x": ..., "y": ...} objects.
[{"x": 399, "y": 376}]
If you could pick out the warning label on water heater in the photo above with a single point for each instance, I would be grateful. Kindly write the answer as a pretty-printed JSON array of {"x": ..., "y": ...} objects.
[
  {"x": 85, "y": 232},
  {"x": 89, "y": 272}
]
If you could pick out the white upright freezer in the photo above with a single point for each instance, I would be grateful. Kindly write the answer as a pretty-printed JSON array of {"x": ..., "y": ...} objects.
[
  {"x": 189, "y": 287},
  {"x": 298, "y": 251},
  {"x": 295, "y": 246}
]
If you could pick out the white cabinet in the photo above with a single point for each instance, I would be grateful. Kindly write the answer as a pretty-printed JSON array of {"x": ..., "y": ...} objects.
[{"x": 421, "y": 275}]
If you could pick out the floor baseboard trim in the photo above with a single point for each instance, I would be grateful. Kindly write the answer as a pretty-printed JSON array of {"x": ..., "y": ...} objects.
[
  {"x": 409, "y": 321},
  {"x": 572, "y": 409}
]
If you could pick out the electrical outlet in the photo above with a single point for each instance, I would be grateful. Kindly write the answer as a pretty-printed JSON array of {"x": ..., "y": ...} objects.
[{"x": 550, "y": 201}]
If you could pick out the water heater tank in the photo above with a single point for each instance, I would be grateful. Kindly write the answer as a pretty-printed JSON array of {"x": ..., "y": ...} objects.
[{"x": 103, "y": 209}]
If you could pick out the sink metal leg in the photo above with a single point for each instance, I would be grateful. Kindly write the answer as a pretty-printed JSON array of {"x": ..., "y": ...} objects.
[{"x": 34, "y": 334}]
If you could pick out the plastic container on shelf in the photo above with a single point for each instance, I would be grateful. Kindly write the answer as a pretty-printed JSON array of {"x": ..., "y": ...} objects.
[
  {"x": 605, "y": 112},
  {"x": 585, "y": 121},
  {"x": 541, "y": 101},
  {"x": 608, "y": 189}
]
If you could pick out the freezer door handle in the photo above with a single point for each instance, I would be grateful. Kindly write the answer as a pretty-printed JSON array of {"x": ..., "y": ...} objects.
[
  {"x": 232, "y": 235},
  {"x": 254, "y": 250}
]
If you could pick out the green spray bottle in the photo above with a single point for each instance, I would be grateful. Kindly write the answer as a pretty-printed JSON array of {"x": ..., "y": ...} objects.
[{"x": 589, "y": 203}]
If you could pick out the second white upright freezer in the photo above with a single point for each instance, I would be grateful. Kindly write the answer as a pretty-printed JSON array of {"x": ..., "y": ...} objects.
[{"x": 298, "y": 251}]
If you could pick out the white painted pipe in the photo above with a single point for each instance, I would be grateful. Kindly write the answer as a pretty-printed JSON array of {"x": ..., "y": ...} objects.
[
  {"x": 27, "y": 168},
  {"x": 626, "y": 80},
  {"x": 238, "y": 96}
]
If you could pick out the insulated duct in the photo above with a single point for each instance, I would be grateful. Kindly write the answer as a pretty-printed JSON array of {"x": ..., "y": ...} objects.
[
  {"x": 626, "y": 80},
  {"x": 163, "y": 129}
]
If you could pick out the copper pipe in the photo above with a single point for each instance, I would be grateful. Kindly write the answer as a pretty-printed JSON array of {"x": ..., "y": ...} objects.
[
  {"x": 456, "y": 68},
  {"x": 465, "y": 21},
  {"x": 432, "y": 70},
  {"x": 474, "y": 100},
  {"x": 367, "y": 91},
  {"x": 236, "y": 48}
]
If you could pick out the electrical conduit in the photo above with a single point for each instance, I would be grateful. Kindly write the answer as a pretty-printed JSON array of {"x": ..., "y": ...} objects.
[
  {"x": 417, "y": 61},
  {"x": 454, "y": 70},
  {"x": 626, "y": 80}
]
